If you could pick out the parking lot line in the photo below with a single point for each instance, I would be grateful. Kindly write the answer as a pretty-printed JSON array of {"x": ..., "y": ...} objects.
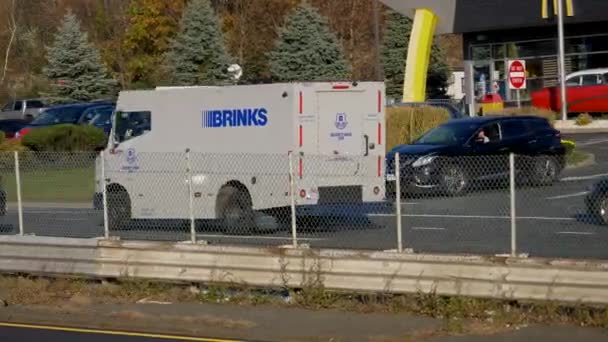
[
  {"x": 577, "y": 194},
  {"x": 480, "y": 217},
  {"x": 247, "y": 237},
  {"x": 582, "y": 178},
  {"x": 427, "y": 228},
  {"x": 575, "y": 233}
]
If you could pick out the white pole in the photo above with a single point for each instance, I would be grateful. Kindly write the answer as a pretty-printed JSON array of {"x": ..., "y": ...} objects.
[
  {"x": 398, "y": 202},
  {"x": 518, "y": 98},
  {"x": 191, "y": 198},
  {"x": 513, "y": 217},
  {"x": 292, "y": 190},
  {"x": 104, "y": 194},
  {"x": 562, "y": 60},
  {"x": 19, "y": 202}
]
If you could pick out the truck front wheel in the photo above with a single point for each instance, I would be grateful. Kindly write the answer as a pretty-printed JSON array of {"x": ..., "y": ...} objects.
[
  {"x": 234, "y": 209},
  {"x": 119, "y": 208}
]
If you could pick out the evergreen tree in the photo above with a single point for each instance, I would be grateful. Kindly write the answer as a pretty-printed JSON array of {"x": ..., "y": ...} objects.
[
  {"x": 75, "y": 67},
  {"x": 394, "y": 53},
  {"x": 198, "y": 53},
  {"x": 307, "y": 50}
]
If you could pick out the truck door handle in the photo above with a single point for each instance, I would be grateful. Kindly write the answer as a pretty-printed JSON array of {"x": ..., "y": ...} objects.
[{"x": 366, "y": 137}]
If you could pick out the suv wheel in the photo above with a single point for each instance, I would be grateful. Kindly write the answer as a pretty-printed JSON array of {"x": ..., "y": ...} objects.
[
  {"x": 454, "y": 180},
  {"x": 602, "y": 210},
  {"x": 546, "y": 170}
]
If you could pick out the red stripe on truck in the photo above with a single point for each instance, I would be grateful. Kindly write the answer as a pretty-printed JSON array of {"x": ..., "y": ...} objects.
[
  {"x": 301, "y": 103},
  {"x": 379, "y": 166},
  {"x": 301, "y": 136},
  {"x": 379, "y": 101},
  {"x": 301, "y": 168},
  {"x": 379, "y": 133}
]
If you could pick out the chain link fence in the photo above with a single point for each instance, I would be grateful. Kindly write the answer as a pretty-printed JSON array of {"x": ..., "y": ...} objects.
[{"x": 488, "y": 205}]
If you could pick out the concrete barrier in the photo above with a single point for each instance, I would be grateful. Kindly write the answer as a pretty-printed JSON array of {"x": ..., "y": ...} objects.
[{"x": 475, "y": 276}]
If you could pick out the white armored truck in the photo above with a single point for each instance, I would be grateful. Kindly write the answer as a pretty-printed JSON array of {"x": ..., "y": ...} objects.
[{"x": 233, "y": 144}]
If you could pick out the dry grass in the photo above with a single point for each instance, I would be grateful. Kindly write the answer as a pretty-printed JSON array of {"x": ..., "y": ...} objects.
[
  {"x": 405, "y": 124},
  {"x": 461, "y": 315}
]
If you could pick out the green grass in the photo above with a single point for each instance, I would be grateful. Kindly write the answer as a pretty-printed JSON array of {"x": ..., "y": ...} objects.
[{"x": 68, "y": 185}]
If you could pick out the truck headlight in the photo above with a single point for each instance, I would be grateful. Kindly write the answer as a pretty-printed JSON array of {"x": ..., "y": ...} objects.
[{"x": 423, "y": 161}]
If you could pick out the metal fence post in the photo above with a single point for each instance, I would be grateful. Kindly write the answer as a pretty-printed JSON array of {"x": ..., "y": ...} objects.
[
  {"x": 18, "y": 189},
  {"x": 191, "y": 198},
  {"x": 398, "y": 202},
  {"x": 512, "y": 197},
  {"x": 104, "y": 195},
  {"x": 292, "y": 197}
]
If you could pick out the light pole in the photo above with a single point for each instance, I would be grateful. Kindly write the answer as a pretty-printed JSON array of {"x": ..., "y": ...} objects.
[
  {"x": 562, "y": 59},
  {"x": 377, "y": 40}
]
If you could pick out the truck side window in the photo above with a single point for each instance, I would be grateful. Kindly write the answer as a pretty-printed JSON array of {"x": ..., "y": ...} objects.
[
  {"x": 132, "y": 124},
  {"x": 35, "y": 104},
  {"x": 9, "y": 107},
  {"x": 18, "y": 105}
]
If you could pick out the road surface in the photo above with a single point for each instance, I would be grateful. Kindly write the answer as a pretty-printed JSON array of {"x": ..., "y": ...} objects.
[
  {"x": 551, "y": 221},
  {"x": 11, "y": 332}
]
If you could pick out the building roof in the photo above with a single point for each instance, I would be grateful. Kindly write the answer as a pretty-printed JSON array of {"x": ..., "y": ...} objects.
[{"x": 469, "y": 16}]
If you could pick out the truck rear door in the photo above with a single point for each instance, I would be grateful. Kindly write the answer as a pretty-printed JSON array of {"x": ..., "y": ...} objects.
[{"x": 340, "y": 120}]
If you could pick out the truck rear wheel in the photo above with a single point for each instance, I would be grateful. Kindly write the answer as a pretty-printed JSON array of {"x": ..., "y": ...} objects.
[
  {"x": 119, "y": 209},
  {"x": 234, "y": 209}
]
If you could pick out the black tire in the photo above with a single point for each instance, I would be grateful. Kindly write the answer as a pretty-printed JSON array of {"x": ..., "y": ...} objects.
[
  {"x": 454, "y": 180},
  {"x": 545, "y": 171},
  {"x": 119, "y": 209},
  {"x": 234, "y": 209}
]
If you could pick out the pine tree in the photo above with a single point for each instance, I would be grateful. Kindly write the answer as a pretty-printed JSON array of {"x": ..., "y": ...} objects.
[
  {"x": 307, "y": 50},
  {"x": 198, "y": 53},
  {"x": 75, "y": 67},
  {"x": 394, "y": 53}
]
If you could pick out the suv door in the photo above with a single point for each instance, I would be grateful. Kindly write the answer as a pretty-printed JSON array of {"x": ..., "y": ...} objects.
[
  {"x": 517, "y": 136},
  {"x": 491, "y": 158}
]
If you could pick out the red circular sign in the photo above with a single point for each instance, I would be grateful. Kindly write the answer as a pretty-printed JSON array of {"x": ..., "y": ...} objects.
[{"x": 517, "y": 75}]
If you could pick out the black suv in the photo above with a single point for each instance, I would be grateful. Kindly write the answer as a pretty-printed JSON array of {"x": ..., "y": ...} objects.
[{"x": 454, "y": 155}]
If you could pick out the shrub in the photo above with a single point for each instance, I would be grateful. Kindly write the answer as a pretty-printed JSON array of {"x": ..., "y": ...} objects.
[
  {"x": 569, "y": 145},
  {"x": 65, "y": 138},
  {"x": 406, "y": 124},
  {"x": 584, "y": 119},
  {"x": 544, "y": 113}
]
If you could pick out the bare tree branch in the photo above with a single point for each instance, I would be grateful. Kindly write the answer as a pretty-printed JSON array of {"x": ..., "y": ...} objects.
[{"x": 12, "y": 27}]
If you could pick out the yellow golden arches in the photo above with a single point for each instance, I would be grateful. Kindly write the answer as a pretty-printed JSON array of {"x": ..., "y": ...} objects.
[
  {"x": 545, "y": 8},
  {"x": 418, "y": 55}
]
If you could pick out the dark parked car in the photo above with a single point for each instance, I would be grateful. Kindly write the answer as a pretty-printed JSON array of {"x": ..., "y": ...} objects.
[
  {"x": 451, "y": 157},
  {"x": 11, "y": 127},
  {"x": 77, "y": 114},
  {"x": 597, "y": 200}
]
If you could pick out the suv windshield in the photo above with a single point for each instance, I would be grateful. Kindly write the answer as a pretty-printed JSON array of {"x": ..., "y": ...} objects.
[
  {"x": 131, "y": 124},
  {"x": 58, "y": 116},
  {"x": 448, "y": 134}
]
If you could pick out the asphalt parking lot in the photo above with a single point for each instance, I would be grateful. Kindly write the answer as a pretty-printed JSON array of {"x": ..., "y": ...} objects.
[{"x": 551, "y": 221}]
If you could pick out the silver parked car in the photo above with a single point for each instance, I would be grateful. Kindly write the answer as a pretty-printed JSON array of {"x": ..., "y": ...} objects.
[{"x": 26, "y": 109}]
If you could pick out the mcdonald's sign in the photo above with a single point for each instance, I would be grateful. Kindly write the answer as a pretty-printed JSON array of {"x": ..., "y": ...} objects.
[{"x": 545, "y": 8}]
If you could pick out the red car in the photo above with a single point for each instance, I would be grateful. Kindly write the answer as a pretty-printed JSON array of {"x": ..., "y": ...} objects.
[{"x": 587, "y": 92}]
